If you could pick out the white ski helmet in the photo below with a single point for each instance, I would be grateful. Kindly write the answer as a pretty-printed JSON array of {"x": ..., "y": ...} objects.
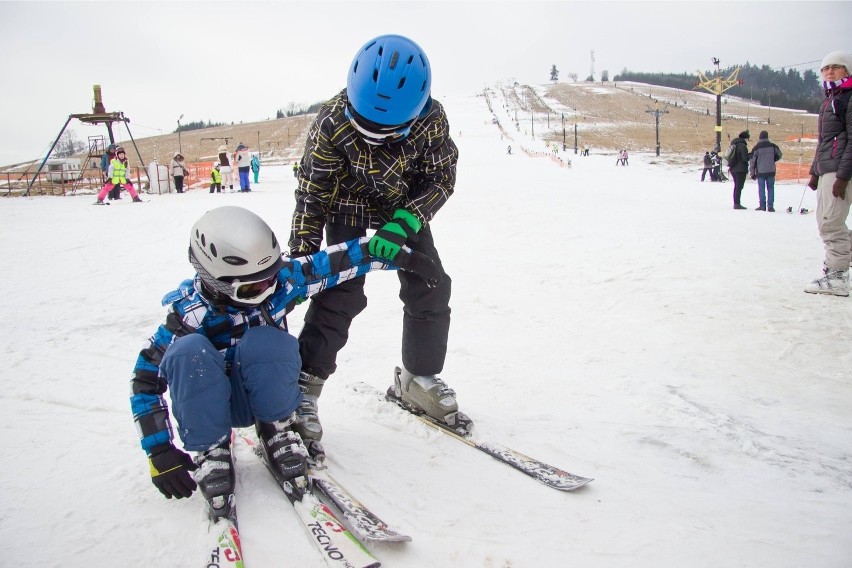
[{"x": 236, "y": 255}]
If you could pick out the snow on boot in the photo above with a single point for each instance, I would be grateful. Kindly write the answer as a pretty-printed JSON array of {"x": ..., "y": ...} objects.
[
  {"x": 215, "y": 473},
  {"x": 283, "y": 447},
  {"x": 835, "y": 281},
  {"x": 430, "y": 395}
]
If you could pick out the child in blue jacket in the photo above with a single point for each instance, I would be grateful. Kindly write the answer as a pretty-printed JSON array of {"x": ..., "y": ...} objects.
[{"x": 225, "y": 354}]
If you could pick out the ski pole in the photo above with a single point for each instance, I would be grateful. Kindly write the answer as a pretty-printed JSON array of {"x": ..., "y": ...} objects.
[{"x": 802, "y": 199}]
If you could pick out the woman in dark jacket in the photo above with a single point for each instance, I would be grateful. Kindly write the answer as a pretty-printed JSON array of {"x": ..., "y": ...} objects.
[{"x": 830, "y": 172}]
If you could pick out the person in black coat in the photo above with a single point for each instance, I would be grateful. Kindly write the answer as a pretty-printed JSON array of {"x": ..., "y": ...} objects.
[
  {"x": 708, "y": 167},
  {"x": 738, "y": 166}
]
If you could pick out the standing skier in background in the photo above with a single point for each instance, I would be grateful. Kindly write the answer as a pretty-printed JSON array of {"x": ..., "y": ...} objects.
[
  {"x": 762, "y": 168},
  {"x": 708, "y": 167},
  {"x": 379, "y": 156},
  {"x": 255, "y": 166},
  {"x": 226, "y": 168},
  {"x": 215, "y": 179},
  {"x": 243, "y": 163},
  {"x": 738, "y": 166},
  {"x": 831, "y": 171},
  {"x": 177, "y": 169},
  {"x": 225, "y": 355},
  {"x": 117, "y": 176},
  {"x": 107, "y": 157}
]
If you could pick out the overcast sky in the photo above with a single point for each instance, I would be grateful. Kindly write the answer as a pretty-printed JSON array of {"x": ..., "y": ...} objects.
[{"x": 240, "y": 61}]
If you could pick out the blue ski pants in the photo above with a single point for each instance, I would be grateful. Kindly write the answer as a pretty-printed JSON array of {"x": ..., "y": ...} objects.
[
  {"x": 207, "y": 401},
  {"x": 244, "y": 179}
]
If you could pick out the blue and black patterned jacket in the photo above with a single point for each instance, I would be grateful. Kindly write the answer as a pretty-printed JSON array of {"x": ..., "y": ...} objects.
[{"x": 189, "y": 311}]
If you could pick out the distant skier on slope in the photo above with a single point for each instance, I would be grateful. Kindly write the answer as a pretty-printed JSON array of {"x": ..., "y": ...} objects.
[{"x": 224, "y": 352}]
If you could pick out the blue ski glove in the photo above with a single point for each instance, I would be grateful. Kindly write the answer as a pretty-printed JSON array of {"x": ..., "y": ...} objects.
[
  {"x": 389, "y": 239},
  {"x": 170, "y": 469}
]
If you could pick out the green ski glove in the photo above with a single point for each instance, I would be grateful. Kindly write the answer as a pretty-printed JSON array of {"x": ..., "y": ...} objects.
[{"x": 389, "y": 239}]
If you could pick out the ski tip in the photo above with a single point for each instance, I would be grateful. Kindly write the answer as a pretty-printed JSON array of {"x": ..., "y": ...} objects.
[
  {"x": 225, "y": 549},
  {"x": 568, "y": 485}
]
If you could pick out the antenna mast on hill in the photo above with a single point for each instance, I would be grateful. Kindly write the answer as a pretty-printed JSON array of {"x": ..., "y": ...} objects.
[
  {"x": 592, "y": 70},
  {"x": 657, "y": 112},
  {"x": 717, "y": 86}
]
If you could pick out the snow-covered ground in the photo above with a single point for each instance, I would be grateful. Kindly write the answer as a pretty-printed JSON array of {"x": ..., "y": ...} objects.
[{"x": 623, "y": 323}]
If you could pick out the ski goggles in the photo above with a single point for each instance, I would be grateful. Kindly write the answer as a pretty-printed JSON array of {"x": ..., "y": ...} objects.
[
  {"x": 375, "y": 133},
  {"x": 253, "y": 290}
]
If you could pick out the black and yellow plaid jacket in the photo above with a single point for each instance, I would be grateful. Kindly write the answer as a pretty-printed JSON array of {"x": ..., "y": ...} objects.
[{"x": 344, "y": 180}]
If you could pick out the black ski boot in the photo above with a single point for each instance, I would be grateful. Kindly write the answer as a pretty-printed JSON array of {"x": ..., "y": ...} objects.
[
  {"x": 215, "y": 478},
  {"x": 283, "y": 448}
]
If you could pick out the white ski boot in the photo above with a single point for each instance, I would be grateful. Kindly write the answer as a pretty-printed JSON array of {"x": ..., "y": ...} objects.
[
  {"x": 835, "y": 282},
  {"x": 429, "y": 395}
]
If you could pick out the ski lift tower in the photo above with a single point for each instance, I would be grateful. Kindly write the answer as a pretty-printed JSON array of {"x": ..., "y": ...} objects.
[
  {"x": 99, "y": 115},
  {"x": 717, "y": 86}
]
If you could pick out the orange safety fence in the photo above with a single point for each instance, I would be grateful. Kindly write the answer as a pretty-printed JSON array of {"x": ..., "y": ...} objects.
[
  {"x": 199, "y": 173},
  {"x": 792, "y": 171}
]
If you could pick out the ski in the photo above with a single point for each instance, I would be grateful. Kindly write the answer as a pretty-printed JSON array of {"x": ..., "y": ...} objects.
[
  {"x": 222, "y": 544},
  {"x": 339, "y": 547},
  {"x": 360, "y": 520},
  {"x": 545, "y": 473}
]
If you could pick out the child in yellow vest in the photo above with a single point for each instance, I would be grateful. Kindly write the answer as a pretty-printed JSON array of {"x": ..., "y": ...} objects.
[
  {"x": 215, "y": 179},
  {"x": 117, "y": 175}
]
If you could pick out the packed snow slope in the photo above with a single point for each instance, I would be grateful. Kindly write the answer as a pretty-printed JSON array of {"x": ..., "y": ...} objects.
[{"x": 623, "y": 323}]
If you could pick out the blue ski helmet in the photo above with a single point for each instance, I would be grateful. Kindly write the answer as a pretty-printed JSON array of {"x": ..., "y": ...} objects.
[{"x": 389, "y": 80}]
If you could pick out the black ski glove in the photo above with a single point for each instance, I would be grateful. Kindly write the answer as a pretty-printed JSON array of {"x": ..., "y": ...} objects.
[{"x": 170, "y": 469}]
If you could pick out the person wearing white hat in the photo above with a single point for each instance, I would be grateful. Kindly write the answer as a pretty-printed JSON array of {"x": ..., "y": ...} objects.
[
  {"x": 226, "y": 168},
  {"x": 830, "y": 173}
]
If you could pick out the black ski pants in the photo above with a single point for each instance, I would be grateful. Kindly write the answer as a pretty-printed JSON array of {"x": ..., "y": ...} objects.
[
  {"x": 739, "y": 183},
  {"x": 425, "y": 320}
]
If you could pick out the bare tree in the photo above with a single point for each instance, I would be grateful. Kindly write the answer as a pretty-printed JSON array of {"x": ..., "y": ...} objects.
[{"x": 68, "y": 145}]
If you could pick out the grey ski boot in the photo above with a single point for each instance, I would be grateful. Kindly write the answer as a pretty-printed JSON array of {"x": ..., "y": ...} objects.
[
  {"x": 429, "y": 395},
  {"x": 307, "y": 423}
]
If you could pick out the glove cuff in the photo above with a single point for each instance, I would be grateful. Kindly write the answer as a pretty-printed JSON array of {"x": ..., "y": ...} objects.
[
  {"x": 409, "y": 218},
  {"x": 159, "y": 449}
]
